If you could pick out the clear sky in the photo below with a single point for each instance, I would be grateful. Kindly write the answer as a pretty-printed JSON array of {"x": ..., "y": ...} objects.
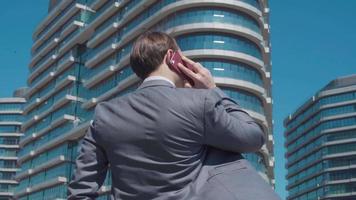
[
  {"x": 313, "y": 42},
  {"x": 18, "y": 19}
]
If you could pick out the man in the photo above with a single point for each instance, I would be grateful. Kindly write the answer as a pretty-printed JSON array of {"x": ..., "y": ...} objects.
[{"x": 159, "y": 139}]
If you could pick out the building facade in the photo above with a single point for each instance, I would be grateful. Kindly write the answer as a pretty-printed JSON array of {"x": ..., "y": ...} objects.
[
  {"x": 321, "y": 144},
  {"x": 10, "y": 126},
  {"x": 80, "y": 57}
]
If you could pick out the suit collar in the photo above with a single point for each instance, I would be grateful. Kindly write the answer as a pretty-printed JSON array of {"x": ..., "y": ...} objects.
[{"x": 156, "y": 82}]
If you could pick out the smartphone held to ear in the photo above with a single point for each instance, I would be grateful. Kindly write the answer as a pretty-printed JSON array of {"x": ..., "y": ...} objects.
[{"x": 173, "y": 64}]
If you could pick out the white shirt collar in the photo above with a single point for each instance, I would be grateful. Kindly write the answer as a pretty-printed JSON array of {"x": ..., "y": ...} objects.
[{"x": 158, "y": 78}]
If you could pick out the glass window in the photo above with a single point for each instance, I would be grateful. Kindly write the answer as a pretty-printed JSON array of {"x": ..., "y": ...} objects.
[{"x": 219, "y": 41}]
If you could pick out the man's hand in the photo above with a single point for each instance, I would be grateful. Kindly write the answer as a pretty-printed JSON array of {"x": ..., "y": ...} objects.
[
  {"x": 187, "y": 84},
  {"x": 200, "y": 75}
]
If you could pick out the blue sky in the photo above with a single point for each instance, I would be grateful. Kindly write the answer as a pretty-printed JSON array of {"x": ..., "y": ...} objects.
[
  {"x": 313, "y": 42},
  {"x": 18, "y": 18}
]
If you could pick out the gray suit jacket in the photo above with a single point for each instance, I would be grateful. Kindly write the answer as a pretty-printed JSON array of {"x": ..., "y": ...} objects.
[{"x": 158, "y": 142}]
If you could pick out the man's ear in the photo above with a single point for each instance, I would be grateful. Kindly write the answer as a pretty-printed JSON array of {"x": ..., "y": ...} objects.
[{"x": 169, "y": 56}]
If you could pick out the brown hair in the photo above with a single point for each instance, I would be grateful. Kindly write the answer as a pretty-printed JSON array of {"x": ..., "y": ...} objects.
[{"x": 148, "y": 52}]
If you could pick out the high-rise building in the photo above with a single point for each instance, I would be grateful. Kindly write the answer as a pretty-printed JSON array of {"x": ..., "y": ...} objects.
[
  {"x": 321, "y": 144},
  {"x": 80, "y": 57},
  {"x": 10, "y": 126}
]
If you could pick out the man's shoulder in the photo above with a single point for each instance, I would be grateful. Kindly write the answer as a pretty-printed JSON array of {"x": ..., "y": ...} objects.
[
  {"x": 193, "y": 92},
  {"x": 213, "y": 93},
  {"x": 195, "y": 96},
  {"x": 103, "y": 107}
]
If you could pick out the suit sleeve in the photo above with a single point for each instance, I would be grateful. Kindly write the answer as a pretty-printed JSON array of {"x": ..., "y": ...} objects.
[
  {"x": 228, "y": 127},
  {"x": 90, "y": 168}
]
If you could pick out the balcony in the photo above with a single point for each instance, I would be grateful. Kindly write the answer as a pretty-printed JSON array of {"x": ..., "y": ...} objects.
[
  {"x": 312, "y": 175},
  {"x": 50, "y": 44},
  {"x": 123, "y": 20},
  {"x": 47, "y": 184},
  {"x": 11, "y": 112},
  {"x": 97, "y": 4},
  {"x": 73, "y": 134},
  {"x": 227, "y": 54},
  {"x": 41, "y": 83},
  {"x": 70, "y": 40},
  {"x": 14, "y": 169},
  {"x": 69, "y": 37},
  {"x": 102, "y": 54},
  {"x": 32, "y": 105},
  {"x": 311, "y": 128},
  {"x": 4, "y": 181},
  {"x": 243, "y": 85},
  {"x": 8, "y": 146},
  {"x": 105, "y": 12},
  {"x": 51, "y": 15},
  {"x": 122, "y": 86},
  {"x": 10, "y": 123},
  {"x": 314, "y": 162},
  {"x": 9, "y": 194},
  {"x": 35, "y": 79},
  {"x": 65, "y": 62},
  {"x": 11, "y": 134},
  {"x": 104, "y": 73},
  {"x": 53, "y": 162},
  {"x": 39, "y": 70},
  {"x": 5, "y": 157},
  {"x": 65, "y": 16},
  {"x": 314, "y": 112},
  {"x": 62, "y": 83},
  {"x": 212, "y": 27},
  {"x": 58, "y": 103},
  {"x": 109, "y": 30},
  {"x": 72, "y": 26},
  {"x": 54, "y": 124},
  {"x": 101, "y": 76},
  {"x": 43, "y": 66},
  {"x": 27, "y": 139}
]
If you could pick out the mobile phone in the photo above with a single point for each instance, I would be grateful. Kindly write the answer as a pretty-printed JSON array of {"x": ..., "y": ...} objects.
[{"x": 173, "y": 64}]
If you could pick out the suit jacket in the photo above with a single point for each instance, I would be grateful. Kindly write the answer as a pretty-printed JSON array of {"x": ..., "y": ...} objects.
[{"x": 158, "y": 144}]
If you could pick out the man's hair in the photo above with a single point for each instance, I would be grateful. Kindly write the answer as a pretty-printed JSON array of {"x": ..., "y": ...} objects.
[{"x": 148, "y": 52}]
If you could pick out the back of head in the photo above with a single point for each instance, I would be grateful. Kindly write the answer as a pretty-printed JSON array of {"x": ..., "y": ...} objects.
[{"x": 148, "y": 52}]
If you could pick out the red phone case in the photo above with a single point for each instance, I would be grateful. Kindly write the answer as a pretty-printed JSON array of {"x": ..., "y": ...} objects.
[{"x": 173, "y": 63}]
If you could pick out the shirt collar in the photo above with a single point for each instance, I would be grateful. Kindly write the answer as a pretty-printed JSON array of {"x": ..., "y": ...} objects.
[{"x": 150, "y": 78}]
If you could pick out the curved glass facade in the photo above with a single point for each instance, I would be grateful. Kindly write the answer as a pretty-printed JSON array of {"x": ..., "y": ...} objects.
[
  {"x": 218, "y": 41},
  {"x": 336, "y": 98},
  {"x": 91, "y": 66},
  {"x": 320, "y": 141},
  {"x": 210, "y": 14},
  {"x": 232, "y": 69},
  {"x": 245, "y": 99},
  {"x": 254, "y": 3}
]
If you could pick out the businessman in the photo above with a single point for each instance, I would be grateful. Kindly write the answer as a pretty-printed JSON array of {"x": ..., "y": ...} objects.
[{"x": 168, "y": 141}]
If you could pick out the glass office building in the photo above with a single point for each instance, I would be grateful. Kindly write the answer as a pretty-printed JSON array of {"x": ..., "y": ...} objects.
[
  {"x": 80, "y": 56},
  {"x": 10, "y": 126},
  {"x": 321, "y": 144}
]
